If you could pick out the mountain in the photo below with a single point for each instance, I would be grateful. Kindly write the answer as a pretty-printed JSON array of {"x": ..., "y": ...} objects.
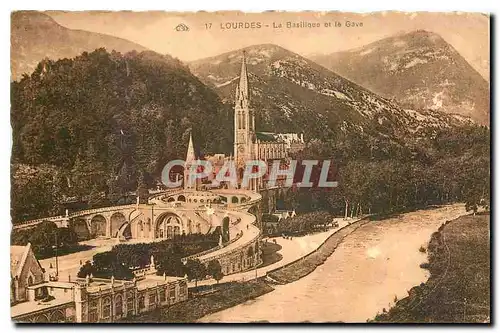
[
  {"x": 418, "y": 69},
  {"x": 292, "y": 93},
  {"x": 35, "y": 36}
]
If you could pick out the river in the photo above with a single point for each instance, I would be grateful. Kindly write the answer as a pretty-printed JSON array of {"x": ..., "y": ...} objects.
[{"x": 377, "y": 262}]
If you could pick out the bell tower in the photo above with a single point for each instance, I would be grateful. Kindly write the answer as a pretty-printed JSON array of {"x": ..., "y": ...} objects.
[{"x": 244, "y": 121}]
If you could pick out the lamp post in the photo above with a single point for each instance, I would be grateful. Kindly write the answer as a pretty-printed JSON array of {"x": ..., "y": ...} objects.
[{"x": 56, "y": 246}]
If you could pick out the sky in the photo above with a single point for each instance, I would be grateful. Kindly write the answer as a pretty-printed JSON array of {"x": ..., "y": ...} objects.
[{"x": 211, "y": 33}]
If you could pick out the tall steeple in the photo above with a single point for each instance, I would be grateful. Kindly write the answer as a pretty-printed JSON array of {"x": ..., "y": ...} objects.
[
  {"x": 242, "y": 89},
  {"x": 190, "y": 158}
]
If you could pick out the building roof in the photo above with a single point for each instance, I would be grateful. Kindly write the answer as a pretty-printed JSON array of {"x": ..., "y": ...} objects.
[
  {"x": 156, "y": 280},
  {"x": 18, "y": 255},
  {"x": 266, "y": 137},
  {"x": 24, "y": 308}
]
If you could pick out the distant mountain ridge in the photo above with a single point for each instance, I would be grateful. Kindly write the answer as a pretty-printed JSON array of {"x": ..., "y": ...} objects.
[
  {"x": 418, "y": 69},
  {"x": 292, "y": 93},
  {"x": 36, "y": 36}
]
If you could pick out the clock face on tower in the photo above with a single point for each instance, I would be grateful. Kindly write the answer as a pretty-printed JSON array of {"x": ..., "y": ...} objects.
[{"x": 241, "y": 149}]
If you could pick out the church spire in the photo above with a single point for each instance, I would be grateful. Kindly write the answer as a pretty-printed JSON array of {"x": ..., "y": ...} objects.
[
  {"x": 242, "y": 90},
  {"x": 190, "y": 159},
  {"x": 190, "y": 156}
]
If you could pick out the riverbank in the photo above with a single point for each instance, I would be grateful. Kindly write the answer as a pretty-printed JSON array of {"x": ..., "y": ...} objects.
[
  {"x": 372, "y": 265},
  {"x": 305, "y": 265},
  {"x": 212, "y": 298},
  {"x": 458, "y": 289}
]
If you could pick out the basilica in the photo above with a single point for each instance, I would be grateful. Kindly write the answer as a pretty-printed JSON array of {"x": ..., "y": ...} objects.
[{"x": 248, "y": 143}]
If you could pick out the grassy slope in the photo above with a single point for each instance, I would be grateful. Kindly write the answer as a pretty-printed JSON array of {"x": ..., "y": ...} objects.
[{"x": 458, "y": 289}]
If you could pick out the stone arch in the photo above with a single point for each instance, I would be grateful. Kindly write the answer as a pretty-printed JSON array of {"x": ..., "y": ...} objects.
[
  {"x": 57, "y": 317},
  {"x": 42, "y": 319},
  {"x": 243, "y": 200},
  {"x": 79, "y": 225},
  {"x": 234, "y": 199},
  {"x": 98, "y": 226},
  {"x": 125, "y": 231},
  {"x": 171, "y": 199},
  {"x": 181, "y": 198},
  {"x": 117, "y": 220},
  {"x": 168, "y": 225}
]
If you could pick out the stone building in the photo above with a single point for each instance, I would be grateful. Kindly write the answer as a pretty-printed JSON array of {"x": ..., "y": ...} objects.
[
  {"x": 248, "y": 143},
  {"x": 93, "y": 300},
  {"x": 25, "y": 272}
]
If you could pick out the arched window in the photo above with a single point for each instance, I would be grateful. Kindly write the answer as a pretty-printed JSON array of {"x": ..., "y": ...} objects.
[
  {"x": 142, "y": 302},
  {"x": 106, "y": 307},
  {"x": 118, "y": 306},
  {"x": 30, "y": 280},
  {"x": 234, "y": 199},
  {"x": 93, "y": 316}
]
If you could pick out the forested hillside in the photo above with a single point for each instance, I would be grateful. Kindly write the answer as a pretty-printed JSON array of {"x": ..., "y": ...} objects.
[
  {"x": 452, "y": 165},
  {"x": 102, "y": 120}
]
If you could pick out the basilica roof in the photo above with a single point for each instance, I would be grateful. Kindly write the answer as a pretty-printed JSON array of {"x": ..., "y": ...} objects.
[{"x": 266, "y": 137}]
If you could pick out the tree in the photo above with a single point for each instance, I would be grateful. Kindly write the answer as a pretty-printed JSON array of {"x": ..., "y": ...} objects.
[
  {"x": 142, "y": 189},
  {"x": 95, "y": 197},
  {"x": 170, "y": 265},
  {"x": 86, "y": 269},
  {"x": 43, "y": 238},
  {"x": 214, "y": 269},
  {"x": 225, "y": 229},
  {"x": 195, "y": 270}
]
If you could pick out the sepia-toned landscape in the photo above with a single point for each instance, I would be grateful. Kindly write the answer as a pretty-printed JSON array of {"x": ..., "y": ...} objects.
[{"x": 230, "y": 167}]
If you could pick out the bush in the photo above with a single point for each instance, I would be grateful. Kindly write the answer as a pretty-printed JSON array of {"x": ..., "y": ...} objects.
[
  {"x": 425, "y": 265},
  {"x": 304, "y": 223}
]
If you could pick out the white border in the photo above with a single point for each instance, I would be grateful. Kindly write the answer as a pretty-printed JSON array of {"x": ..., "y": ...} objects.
[{"x": 254, "y": 6}]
